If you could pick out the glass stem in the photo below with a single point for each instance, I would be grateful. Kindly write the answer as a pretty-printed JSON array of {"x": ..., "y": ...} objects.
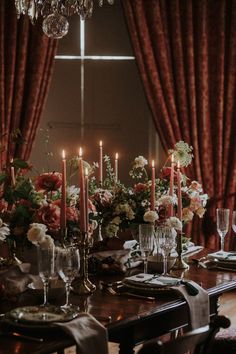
[
  {"x": 145, "y": 264},
  {"x": 222, "y": 243},
  {"x": 67, "y": 294},
  {"x": 164, "y": 265},
  {"x": 45, "y": 292}
]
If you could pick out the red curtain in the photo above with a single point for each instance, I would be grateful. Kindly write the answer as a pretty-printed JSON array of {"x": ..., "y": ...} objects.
[
  {"x": 26, "y": 63},
  {"x": 186, "y": 54}
]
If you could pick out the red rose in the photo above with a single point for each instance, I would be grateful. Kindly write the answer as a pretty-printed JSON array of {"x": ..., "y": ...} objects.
[
  {"x": 48, "y": 182},
  {"x": 49, "y": 215},
  {"x": 140, "y": 187},
  {"x": 72, "y": 214},
  {"x": 25, "y": 202},
  {"x": 3, "y": 205}
]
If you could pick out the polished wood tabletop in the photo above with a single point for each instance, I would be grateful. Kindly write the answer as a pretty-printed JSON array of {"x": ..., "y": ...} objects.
[{"x": 129, "y": 320}]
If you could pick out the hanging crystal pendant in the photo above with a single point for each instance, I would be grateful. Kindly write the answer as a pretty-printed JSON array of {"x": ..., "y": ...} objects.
[
  {"x": 55, "y": 26},
  {"x": 55, "y": 13}
]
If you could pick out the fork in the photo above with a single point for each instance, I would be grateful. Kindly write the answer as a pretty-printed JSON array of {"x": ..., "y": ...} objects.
[{"x": 113, "y": 292}]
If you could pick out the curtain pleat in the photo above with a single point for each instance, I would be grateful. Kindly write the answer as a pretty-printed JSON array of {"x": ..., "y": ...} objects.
[
  {"x": 26, "y": 65},
  {"x": 185, "y": 51}
]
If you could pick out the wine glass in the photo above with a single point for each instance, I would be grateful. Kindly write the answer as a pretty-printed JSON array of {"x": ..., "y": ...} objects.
[
  {"x": 234, "y": 221},
  {"x": 166, "y": 243},
  {"x": 222, "y": 221},
  {"x": 46, "y": 268},
  {"x": 68, "y": 268},
  {"x": 146, "y": 241}
]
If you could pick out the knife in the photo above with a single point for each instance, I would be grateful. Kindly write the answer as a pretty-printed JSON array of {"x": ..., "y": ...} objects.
[{"x": 22, "y": 336}]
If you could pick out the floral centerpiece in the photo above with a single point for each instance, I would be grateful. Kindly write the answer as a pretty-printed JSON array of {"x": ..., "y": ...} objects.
[{"x": 28, "y": 200}]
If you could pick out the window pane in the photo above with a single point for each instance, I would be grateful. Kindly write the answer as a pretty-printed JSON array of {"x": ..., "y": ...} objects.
[
  {"x": 70, "y": 44},
  {"x": 106, "y": 33}
]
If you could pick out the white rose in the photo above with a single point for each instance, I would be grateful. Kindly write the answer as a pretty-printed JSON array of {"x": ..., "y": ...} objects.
[
  {"x": 150, "y": 216},
  {"x": 46, "y": 242},
  {"x": 140, "y": 161},
  {"x": 36, "y": 233},
  {"x": 175, "y": 223},
  {"x": 166, "y": 200},
  {"x": 187, "y": 214}
]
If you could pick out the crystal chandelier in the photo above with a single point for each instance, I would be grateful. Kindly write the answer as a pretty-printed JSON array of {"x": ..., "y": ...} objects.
[{"x": 55, "y": 13}]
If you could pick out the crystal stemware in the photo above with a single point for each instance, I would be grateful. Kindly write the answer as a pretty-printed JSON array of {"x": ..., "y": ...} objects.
[
  {"x": 234, "y": 221},
  {"x": 166, "y": 243},
  {"x": 68, "y": 268},
  {"x": 46, "y": 268},
  {"x": 222, "y": 221},
  {"x": 146, "y": 241}
]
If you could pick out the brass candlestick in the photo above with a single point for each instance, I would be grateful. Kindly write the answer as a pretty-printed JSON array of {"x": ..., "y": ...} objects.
[
  {"x": 179, "y": 263},
  {"x": 83, "y": 286}
]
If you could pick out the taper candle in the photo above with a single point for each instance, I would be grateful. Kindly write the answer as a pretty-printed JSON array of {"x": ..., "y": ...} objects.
[
  {"x": 82, "y": 193},
  {"x": 86, "y": 183},
  {"x": 13, "y": 177},
  {"x": 153, "y": 186},
  {"x": 116, "y": 167},
  {"x": 171, "y": 192},
  {"x": 100, "y": 162},
  {"x": 179, "y": 192},
  {"x": 63, "y": 191}
]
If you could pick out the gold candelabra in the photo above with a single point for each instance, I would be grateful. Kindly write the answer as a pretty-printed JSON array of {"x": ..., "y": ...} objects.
[
  {"x": 179, "y": 263},
  {"x": 83, "y": 286}
]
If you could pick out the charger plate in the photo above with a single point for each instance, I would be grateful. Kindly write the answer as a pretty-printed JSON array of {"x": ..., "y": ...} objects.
[
  {"x": 40, "y": 315},
  {"x": 151, "y": 285}
]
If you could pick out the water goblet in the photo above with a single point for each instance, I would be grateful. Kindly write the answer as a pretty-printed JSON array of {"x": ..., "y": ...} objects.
[
  {"x": 222, "y": 221},
  {"x": 234, "y": 221},
  {"x": 146, "y": 241},
  {"x": 46, "y": 268},
  {"x": 166, "y": 243},
  {"x": 68, "y": 268}
]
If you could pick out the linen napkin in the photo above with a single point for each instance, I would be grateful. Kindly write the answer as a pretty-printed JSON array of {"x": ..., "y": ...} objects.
[
  {"x": 223, "y": 256},
  {"x": 198, "y": 304},
  {"x": 16, "y": 278},
  {"x": 90, "y": 335}
]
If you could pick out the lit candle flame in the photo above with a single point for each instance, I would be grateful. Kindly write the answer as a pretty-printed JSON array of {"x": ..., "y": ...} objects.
[
  {"x": 80, "y": 152},
  {"x": 172, "y": 158},
  {"x": 63, "y": 154},
  {"x": 178, "y": 164},
  {"x": 100, "y": 143},
  {"x": 153, "y": 163},
  {"x": 86, "y": 171},
  {"x": 117, "y": 156}
]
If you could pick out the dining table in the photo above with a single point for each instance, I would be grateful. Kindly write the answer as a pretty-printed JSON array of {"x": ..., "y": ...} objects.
[{"x": 129, "y": 320}]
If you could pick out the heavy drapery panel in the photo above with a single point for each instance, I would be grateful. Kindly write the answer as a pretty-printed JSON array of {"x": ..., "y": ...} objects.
[
  {"x": 26, "y": 62},
  {"x": 186, "y": 53}
]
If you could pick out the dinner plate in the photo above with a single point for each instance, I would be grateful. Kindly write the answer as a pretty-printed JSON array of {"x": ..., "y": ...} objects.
[
  {"x": 150, "y": 284},
  {"x": 41, "y": 315}
]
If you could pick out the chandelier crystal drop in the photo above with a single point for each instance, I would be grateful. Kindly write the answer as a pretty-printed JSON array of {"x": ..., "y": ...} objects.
[{"x": 55, "y": 13}]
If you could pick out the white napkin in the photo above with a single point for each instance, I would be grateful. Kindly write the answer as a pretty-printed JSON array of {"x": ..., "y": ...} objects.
[
  {"x": 90, "y": 336},
  {"x": 223, "y": 256},
  {"x": 198, "y": 305},
  {"x": 152, "y": 280}
]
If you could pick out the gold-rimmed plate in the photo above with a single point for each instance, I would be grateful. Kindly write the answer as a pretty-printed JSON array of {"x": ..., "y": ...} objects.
[{"x": 41, "y": 315}]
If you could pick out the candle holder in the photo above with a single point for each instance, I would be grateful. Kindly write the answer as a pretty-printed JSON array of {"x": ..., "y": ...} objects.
[
  {"x": 179, "y": 263},
  {"x": 83, "y": 286},
  {"x": 63, "y": 235}
]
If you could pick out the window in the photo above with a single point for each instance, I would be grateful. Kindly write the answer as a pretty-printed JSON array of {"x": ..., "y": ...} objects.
[{"x": 96, "y": 94}]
